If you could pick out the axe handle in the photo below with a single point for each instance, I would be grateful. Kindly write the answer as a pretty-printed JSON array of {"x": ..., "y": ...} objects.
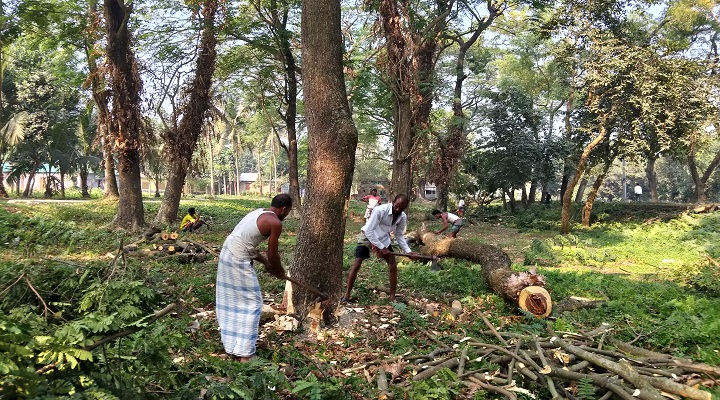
[
  {"x": 306, "y": 286},
  {"x": 415, "y": 256}
]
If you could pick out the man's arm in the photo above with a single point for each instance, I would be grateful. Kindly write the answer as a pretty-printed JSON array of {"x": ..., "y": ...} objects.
[
  {"x": 370, "y": 230},
  {"x": 273, "y": 264},
  {"x": 445, "y": 223},
  {"x": 400, "y": 234}
]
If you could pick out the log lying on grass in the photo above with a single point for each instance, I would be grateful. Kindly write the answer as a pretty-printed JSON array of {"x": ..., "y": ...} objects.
[{"x": 526, "y": 289}]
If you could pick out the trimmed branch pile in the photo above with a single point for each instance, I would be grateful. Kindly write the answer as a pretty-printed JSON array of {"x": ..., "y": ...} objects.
[
  {"x": 166, "y": 244},
  {"x": 526, "y": 289},
  {"x": 567, "y": 366}
]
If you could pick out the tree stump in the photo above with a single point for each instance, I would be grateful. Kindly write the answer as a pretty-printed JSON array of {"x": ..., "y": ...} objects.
[{"x": 526, "y": 289}]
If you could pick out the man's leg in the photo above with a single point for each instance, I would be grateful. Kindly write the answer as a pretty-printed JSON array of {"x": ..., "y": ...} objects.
[
  {"x": 392, "y": 271},
  {"x": 352, "y": 275}
]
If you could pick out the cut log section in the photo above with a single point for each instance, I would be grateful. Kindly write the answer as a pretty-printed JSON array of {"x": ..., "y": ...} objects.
[
  {"x": 173, "y": 235},
  {"x": 526, "y": 289}
]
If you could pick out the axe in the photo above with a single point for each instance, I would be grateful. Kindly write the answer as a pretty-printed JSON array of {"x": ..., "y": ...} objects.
[
  {"x": 434, "y": 267},
  {"x": 321, "y": 296}
]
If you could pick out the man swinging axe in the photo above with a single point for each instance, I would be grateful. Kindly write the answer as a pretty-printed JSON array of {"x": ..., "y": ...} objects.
[{"x": 375, "y": 237}]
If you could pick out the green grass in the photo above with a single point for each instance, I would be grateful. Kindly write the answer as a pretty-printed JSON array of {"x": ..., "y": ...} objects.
[{"x": 654, "y": 269}]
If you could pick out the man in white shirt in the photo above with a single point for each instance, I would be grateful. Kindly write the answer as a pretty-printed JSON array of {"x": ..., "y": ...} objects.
[
  {"x": 638, "y": 192},
  {"x": 375, "y": 236}
]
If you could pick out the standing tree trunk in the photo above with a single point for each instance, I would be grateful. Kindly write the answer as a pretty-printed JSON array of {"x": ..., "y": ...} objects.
[
  {"x": 652, "y": 178},
  {"x": 181, "y": 142},
  {"x": 397, "y": 66},
  {"x": 100, "y": 96},
  {"x": 125, "y": 122},
  {"x": 579, "y": 171},
  {"x": 83, "y": 183},
  {"x": 587, "y": 209},
  {"x": 581, "y": 190},
  {"x": 567, "y": 169},
  {"x": 701, "y": 180},
  {"x": 332, "y": 139}
]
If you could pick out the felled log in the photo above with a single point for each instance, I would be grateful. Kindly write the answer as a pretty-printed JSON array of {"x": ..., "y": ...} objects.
[
  {"x": 705, "y": 208},
  {"x": 165, "y": 236},
  {"x": 173, "y": 235},
  {"x": 526, "y": 289}
]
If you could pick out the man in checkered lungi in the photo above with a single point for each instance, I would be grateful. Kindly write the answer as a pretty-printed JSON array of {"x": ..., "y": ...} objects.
[{"x": 238, "y": 297}]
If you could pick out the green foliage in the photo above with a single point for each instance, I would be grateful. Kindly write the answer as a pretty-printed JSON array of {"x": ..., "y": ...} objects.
[
  {"x": 586, "y": 390},
  {"x": 329, "y": 388},
  {"x": 443, "y": 385}
]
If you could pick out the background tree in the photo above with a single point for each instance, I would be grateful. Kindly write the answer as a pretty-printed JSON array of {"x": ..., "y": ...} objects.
[
  {"x": 182, "y": 139},
  {"x": 125, "y": 122},
  {"x": 332, "y": 141}
]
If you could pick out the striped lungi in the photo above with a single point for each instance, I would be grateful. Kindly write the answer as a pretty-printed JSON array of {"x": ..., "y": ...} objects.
[{"x": 238, "y": 302}]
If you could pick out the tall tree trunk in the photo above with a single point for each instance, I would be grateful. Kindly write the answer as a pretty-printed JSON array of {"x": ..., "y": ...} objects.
[
  {"x": 182, "y": 142},
  {"x": 290, "y": 118},
  {"x": 3, "y": 193},
  {"x": 397, "y": 65},
  {"x": 532, "y": 193},
  {"x": 567, "y": 169},
  {"x": 587, "y": 209},
  {"x": 652, "y": 178},
  {"x": 701, "y": 180},
  {"x": 452, "y": 150},
  {"x": 62, "y": 184},
  {"x": 125, "y": 123},
  {"x": 30, "y": 179},
  {"x": 111, "y": 185},
  {"x": 84, "y": 183},
  {"x": 579, "y": 171},
  {"x": 332, "y": 140},
  {"x": 511, "y": 199},
  {"x": 211, "y": 161},
  {"x": 581, "y": 190},
  {"x": 100, "y": 97},
  {"x": 259, "y": 167}
]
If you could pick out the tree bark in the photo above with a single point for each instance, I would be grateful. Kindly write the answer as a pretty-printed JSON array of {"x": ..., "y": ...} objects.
[
  {"x": 181, "y": 143},
  {"x": 587, "y": 209},
  {"x": 581, "y": 190},
  {"x": 84, "y": 184},
  {"x": 125, "y": 123},
  {"x": 100, "y": 97},
  {"x": 452, "y": 149},
  {"x": 701, "y": 180},
  {"x": 496, "y": 271},
  {"x": 567, "y": 171},
  {"x": 397, "y": 65},
  {"x": 652, "y": 178},
  {"x": 579, "y": 171},
  {"x": 332, "y": 140}
]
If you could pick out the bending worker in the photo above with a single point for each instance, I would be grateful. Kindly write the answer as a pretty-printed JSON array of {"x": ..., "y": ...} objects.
[
  {"x": 448, "y": 219},
  {"x": 238, "y": 299}
]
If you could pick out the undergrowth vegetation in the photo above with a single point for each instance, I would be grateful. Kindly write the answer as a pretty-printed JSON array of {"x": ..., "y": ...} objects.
[{"x": 78, "y": 318}]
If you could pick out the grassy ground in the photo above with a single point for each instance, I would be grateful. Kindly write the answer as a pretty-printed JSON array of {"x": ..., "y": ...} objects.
[{"x": 653, "y": 265}]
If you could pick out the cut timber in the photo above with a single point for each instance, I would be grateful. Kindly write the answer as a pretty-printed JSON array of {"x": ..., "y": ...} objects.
[
  {"x": 524, "y": 288},
  {"x": 165, "y": 236},
  {"x": 705, "y": 208},
  {"x": 173, "y": 235}
]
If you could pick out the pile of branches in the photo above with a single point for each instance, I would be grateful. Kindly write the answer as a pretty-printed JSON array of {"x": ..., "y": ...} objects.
[
  {"x": 158, "y": 244},
  {"x": 565, "y": 365}
]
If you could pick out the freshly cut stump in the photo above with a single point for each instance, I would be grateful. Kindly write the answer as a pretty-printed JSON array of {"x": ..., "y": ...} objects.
[{"x": 526, "y": 289}]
